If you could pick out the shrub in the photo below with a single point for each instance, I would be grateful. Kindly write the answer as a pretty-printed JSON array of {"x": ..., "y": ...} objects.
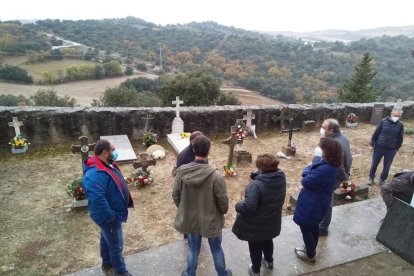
[
  {"x": 150, "y": 138},
  {"x": 129, "y": 71},
  {"x": 48, "y": 97},
  {"x": 11, "y": 100},
  {"x": 14, "y": 74}
]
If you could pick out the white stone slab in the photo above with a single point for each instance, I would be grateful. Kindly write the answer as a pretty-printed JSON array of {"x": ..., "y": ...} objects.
[
  {"x": 177, "y": 142},
  {"x": 123, "y": 147}
]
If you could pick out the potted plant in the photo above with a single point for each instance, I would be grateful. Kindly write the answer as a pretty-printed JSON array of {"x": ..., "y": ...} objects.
[
  {"x": 19, "y": 144},
  {"x": 351, "y": 120},
  {"x": 150, "y": 138}
]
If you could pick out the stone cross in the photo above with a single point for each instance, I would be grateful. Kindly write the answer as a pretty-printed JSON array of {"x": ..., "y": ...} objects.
[
  {"x": 177, "y": 103},
  {"x": 16, "y": 124},
  {"x": 144, "y": 162},
  {"x": 282, "y": 118},
  {"x": 83, "y": 148},
  {"x": 290, "y": 130},
  {"x": 249, "y": 117},
  {"x": 146, "y": 122}
]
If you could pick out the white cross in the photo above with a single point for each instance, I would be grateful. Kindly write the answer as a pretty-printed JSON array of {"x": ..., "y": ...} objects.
[
  {"x": 177, "y": 103},
  {"x": 16, "y": 124},
  {"x": 248, "y": 118}
]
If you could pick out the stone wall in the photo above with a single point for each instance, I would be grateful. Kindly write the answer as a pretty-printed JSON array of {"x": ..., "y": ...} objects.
[{"x": 57, "y": 124}]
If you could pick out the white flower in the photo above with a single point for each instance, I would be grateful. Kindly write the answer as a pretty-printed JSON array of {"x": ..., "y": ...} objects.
[
  {"x": 348, "y": 197},
  {"x": 348, "y": 189},
  {"x": 146, "y": 180}
]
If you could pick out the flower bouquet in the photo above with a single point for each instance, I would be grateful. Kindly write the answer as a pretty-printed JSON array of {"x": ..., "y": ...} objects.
[
  {"x": 351, "y": 120},
  {"x": 240, "y": 133},
  {"x": 150, "y": 138},
  {"x": 140, "y": 179},
  {"x": 230, "y": 170},
  {"x": 184, "y": 135},
  {"x": 349, "y": 189},
  {"x": 76, "y": 190},
  {"x": 19, "y": 144}
]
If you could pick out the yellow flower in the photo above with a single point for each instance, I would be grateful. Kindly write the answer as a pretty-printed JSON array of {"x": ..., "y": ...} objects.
[{"x": 184, "y": 135}]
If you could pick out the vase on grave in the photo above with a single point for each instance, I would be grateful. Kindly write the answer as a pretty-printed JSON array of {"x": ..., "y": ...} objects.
[{"x": 15, "y": 150}]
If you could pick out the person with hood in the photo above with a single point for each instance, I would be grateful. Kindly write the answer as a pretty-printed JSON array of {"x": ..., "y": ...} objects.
[
  {"x": 385, "y": 142},
  {"x": 315, "y": 197},
  {"x": 200, "y": 195},
  {"x": 259, "y": 215},
  {"x": 108, "y": 202}
]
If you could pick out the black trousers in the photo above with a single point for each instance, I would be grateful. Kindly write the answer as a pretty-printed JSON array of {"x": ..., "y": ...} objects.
[
  {"x": 256, "y": 249},
  {"x": 310, "y": 236}
]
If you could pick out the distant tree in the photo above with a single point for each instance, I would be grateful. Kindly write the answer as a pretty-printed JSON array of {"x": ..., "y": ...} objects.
[
  {"x": 14, "y": 74},
  {"x": 11, "y": 100},
  {"x": 129, "y": 71},
  {"x": 227, "y": 99},
  {"x": 49, "y": 97},
  {"x": 141, "y": 67},
  {"x": 90, "y": 54},
  {"x": 56, "y": 54},
  {"x": 112, "y": 68},
  {"x": 359, "y": 88},
  {"x": 140, "y": 84},
  {"x": 194, "y": 88},
  {"x": 126, "y": 97},
  {"x": 99, "y": 72}
]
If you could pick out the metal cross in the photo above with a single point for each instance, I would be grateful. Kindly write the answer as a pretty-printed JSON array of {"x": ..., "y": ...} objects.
[
  {"x": 144, "y": 162},
  {"x": 16, "y": 124},
  {"x": 177, "y": 103},
  {"x": 83, "y": 148},
  {"x": 290, "y": 130}
]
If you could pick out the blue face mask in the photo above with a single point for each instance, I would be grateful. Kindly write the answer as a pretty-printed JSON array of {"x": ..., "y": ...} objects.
[{"x": 114, "y": 155}]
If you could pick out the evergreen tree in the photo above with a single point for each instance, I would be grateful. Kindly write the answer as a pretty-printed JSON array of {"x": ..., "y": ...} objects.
[{"x": 359, "y": 88}]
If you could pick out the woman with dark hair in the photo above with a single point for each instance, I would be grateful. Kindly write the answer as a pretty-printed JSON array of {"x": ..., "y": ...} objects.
[
  {"x": 318, "y": 182},
  {"x": 259, "y": 215}
]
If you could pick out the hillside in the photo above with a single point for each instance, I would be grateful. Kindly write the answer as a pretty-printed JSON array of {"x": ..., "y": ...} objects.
[{"x": 284, "y": 68}]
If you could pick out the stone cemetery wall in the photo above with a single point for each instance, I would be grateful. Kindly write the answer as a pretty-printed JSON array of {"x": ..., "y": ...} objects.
[{"x": 45, "y": 125}]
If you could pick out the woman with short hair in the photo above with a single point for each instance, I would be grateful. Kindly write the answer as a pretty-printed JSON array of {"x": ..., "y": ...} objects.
[
  {"x": 259, "y": 215},
  {"x": 318, "y": 182}
]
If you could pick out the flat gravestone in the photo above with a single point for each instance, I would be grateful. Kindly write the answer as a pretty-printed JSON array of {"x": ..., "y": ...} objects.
[
  {"x": 177, "y": 142},
  {"x": 376, "y": 115},
  {"x": 397, "y": 230},
  {"x": 123, "y": 147}
]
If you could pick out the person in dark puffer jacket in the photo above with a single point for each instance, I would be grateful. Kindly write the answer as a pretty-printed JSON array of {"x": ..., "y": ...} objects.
[
  {"x": 259, "y": 215},
  {"x": 385, "y": 142},
  {"x": 314, "y": 198}
]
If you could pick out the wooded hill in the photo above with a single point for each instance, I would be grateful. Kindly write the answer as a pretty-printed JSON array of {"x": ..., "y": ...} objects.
[{"x": 288, "y": 69}]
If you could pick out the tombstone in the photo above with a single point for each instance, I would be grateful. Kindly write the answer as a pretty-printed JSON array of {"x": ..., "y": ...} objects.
[
  {"x": 308, "y": 125},
  {"x": 290, "y": 149},
  {"x": 236, "y": 152},
  {"x": 123, "y": 147},
  {"x": 143, "y": 162},
  {"x": 282, "y": 118},
  {"x": 16, "y": 124},
  {"x": 397, "y": 230},
  {"x": 177, "y": 124},
  {"x": 84, "y": 148},
  {"x": 376, "y": 115},
  {"x": 248, "y": 118}
]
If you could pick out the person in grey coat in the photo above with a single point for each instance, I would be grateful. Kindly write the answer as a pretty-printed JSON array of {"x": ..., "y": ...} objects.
[{"x": 259, "y": 215}]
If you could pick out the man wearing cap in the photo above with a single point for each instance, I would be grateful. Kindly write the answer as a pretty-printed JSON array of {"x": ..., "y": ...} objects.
[{"x": 385, "y": 142}]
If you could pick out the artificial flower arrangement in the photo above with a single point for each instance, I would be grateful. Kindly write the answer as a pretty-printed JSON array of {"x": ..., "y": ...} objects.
[
  {"x": 19, "y": 142},
  {"x": 141, "y": 179},
  {"x": 76, "y": 190},
  {"x": 292, "y": 148},
  {"x": 240, "y": 133},
  {"x": 230, "y": 170},
  {"x": 150, "y": 138},
  {"x": 184, "y": 135},
  {"x": 349, "y": 189},
  {"x": 352, "y": 118}
]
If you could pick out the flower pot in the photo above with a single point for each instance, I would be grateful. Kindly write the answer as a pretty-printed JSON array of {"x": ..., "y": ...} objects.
[
  {"x": 79, "y": 203},
  {"x": 348, "y": 124},
  {"x": 19, "y": 150}
]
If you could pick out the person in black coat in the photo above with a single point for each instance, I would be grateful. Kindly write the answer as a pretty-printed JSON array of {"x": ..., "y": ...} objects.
[
  {"x": 187, "y": 155},
  {"x": 259, "y": 215}
]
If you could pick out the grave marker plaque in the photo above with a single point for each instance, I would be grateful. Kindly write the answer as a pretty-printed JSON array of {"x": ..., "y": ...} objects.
[
  {"x": 123, "y": 147},
  {"x": 376, "y": 114}
]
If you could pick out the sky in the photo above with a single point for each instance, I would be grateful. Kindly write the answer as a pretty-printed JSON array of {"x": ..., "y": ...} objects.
[{"x": 258, "y": 15}]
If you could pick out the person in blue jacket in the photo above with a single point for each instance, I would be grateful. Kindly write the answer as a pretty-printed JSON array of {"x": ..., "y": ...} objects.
[
  {"x": 318, "y": 181},
  {"x": 108, "y": 201}
]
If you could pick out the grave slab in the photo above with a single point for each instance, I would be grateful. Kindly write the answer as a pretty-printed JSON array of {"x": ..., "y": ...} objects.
[
  {"x": 397, "y": 230},
  {"x": 351, "y": 237},
  {"x": 123, "y": 147},
  {"x": 177, "y": 142}
]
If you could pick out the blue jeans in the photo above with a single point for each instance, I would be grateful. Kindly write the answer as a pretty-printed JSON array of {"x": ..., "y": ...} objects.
[
  {"x": 310, "y": 236},
  {"x": 194, "y": 244},
  {"x": 112, "y": 245},
  {"x": 377, "y": 155}
]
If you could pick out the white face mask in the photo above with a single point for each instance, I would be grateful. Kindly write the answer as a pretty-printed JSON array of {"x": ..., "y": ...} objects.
[
  {"x": 394, "y": 119},
  {"x": 322, "y": 132}
]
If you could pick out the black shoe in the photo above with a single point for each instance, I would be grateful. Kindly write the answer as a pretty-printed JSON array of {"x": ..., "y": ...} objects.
[
  {"x": 371, "y": 181},
  {"x": 301, "y": 254},
  {"x": 323, "y": 232},
  {"x": 229, "y": 273},
  {"x": 268, "y": 265},
  {"x": 251, "y": 272},
  {"x": 106, "y": 266},
  {"x": 125, "y": 273}
]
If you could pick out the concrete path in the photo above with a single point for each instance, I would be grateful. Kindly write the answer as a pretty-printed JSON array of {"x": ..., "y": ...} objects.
[{"x": 351, "y": 237}]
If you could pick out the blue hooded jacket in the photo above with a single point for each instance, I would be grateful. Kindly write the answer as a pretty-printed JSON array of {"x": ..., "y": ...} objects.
[
  {"x": 107, "y": 191},
  {"x": 314, "y": 198}
]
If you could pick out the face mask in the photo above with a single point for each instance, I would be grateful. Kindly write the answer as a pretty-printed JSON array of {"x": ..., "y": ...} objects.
[
  {"x": 394, "y": 119},
  {"x": 322, "y": 132},
  {"x": 114, "y": 155}
]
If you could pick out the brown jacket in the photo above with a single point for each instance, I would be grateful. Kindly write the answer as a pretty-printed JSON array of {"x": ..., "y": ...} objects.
[{"x": 200, "y": 195}]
